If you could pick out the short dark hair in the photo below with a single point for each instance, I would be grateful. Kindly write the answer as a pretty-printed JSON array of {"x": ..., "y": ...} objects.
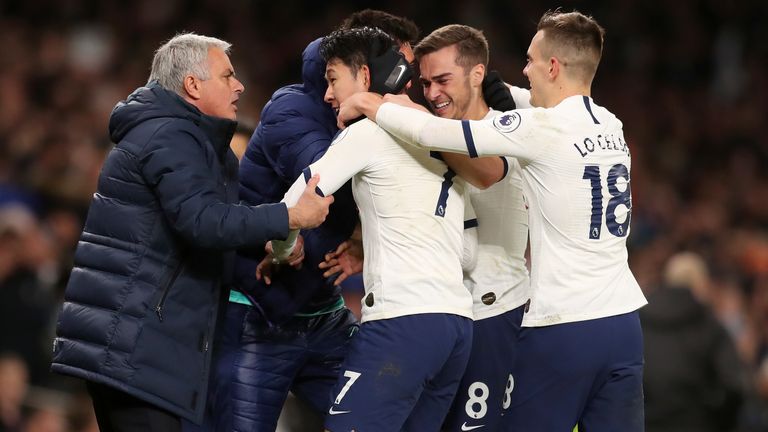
[
  {"x": 576, "y": 39},
  {"x": 355, "y": 46},
  {"x": 471, "y": 44},
  {"x": 400, "y": 29}
]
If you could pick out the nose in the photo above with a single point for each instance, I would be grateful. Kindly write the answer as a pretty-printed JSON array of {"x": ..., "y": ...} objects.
[
  {"x": 239, "y": 87},
  {"x": 431, "y": 92},
  {"x": 525, "y": 69},
  {"x": 328, "y": 98}
]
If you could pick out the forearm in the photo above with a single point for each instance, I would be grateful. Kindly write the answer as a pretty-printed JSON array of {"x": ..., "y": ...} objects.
[
  {"x": 425, "y": 130},
  {"x": 513, "y": 133},
  {"x": 282, "y": 248},
  {"x": 480, "y": 172}
]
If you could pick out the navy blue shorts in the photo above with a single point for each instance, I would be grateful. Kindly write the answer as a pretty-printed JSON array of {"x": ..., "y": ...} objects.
[
  {"x": 255, "y": 367},
  {"x": 588, "y": 373},
  {"x": 485, "y": 390},
  {"x": 401, "y": 374}
]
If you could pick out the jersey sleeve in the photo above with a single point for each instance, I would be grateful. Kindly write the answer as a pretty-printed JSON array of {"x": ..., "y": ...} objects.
[
  {"x": 346, "y": 156},
  {"x": 512, "y": 133},
  {"x": 521, "y": 96}
]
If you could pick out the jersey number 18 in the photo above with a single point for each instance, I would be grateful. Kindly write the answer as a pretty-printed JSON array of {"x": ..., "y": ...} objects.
[{"x": 618, "y": 197}]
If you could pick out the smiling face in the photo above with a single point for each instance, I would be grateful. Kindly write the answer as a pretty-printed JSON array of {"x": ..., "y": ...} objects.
[
  {"x": 447, "y": 86},
  {"x": 537, "y": 70},
  {"x": 220, "y": 92},
  {"x": 342, "y": 83}
]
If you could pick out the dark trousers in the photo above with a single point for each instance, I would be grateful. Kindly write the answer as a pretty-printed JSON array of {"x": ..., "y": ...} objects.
[{"x": 119, "y": 412}]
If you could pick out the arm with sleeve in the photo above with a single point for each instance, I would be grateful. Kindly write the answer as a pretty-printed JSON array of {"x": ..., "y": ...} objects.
[
  {"x": 300, "y": 142},
  {"x": 509, "y": 134},
  {"x": 180, "y": 175},
  {"x": 521, "y": 96},
  {"x": 345, "y": 157}
]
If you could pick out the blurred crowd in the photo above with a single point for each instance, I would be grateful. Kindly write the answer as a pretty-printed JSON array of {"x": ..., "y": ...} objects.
[{"x": 687, "y": 78}]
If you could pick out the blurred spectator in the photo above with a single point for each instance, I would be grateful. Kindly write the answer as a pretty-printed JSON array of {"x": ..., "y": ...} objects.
[
  {"x": 693, "y": 376},
  {"x": 29, "y": 274},
  {"x": 13, "y": 388}
]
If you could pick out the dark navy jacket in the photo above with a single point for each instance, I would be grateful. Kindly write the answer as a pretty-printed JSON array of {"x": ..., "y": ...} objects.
[
  {"x": 157, "y": 248},
  {"x": 296, "y": 128}
]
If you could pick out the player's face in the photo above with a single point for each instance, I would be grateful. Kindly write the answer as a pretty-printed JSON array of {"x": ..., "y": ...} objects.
[
  {"x": 342, "y": 83},
  {"x": 220, "y": 92},
  {"x": 537, "y": 70},
  {"x": 446, "y": 85}
]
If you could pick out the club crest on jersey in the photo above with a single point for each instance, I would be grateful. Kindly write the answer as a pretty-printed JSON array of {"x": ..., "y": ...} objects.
[{"x": 507, "y": 122}]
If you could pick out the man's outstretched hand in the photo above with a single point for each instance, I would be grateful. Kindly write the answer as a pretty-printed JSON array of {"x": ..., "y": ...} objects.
[{"x": 311, "y": 209}]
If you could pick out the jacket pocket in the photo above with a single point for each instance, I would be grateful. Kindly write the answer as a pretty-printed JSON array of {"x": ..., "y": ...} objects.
[{"x": 166, "y": 289}]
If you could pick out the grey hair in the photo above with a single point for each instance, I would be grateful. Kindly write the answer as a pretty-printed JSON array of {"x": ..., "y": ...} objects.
[{"x": 184, "y": 54}]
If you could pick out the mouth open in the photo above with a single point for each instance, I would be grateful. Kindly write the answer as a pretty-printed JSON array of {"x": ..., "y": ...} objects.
[{"x": 440, "y": 107}]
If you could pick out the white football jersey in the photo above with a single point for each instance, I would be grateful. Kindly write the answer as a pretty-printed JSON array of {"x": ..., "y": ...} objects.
[
  {"x": 576, "y": 181},
  {"x": 499, "y": 280},
  {"x": 412, "y": 213}
]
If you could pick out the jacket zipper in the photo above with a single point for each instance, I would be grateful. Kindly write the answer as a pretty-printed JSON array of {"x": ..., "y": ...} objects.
[{"x": 161, "y": 302}]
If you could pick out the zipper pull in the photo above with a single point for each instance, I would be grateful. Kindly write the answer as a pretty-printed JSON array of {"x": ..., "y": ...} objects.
[{"x": 159, "y": 312}]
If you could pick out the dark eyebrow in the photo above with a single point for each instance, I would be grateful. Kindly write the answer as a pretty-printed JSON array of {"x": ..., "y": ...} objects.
[{"x": 441, "y": 76}]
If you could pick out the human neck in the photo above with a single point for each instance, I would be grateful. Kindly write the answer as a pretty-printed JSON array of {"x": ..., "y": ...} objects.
[
  {"x": 477, "y": 110},
  {"x": 566, "y": 89}
]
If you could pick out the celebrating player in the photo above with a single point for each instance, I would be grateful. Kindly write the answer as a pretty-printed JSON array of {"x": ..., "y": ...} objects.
[
  {"x": 403, "y": 367},
  {"x": 582, "y": 338}
]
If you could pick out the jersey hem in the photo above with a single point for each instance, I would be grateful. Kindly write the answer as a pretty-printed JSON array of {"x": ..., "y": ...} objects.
[{"x": 564, "y": 319}]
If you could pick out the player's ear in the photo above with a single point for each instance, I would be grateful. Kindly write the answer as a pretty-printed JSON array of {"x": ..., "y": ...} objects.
[
  {"x": 554, "y": 68},
  {"x": 476, "y": 75},
  {"x": 192, "y": 87},
  {"x": 364, "y": 74}
]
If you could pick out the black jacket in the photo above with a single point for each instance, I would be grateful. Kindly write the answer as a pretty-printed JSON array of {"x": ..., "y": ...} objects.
[
  {"x": 295, "y": 130},
  {"x": 158, "y": 246},
  {"x": 692, "y": 378}
]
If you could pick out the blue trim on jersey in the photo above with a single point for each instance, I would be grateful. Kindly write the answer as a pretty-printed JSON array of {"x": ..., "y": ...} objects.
[
  {"x": 470, "y": 223},
  {"x": 308, "y": 175},
  {"x": 506, "y": 168},
  {"x": 442, "y": 201},
  {"x": 468, "y": 138},
  {"x": 589, "y": 108}
]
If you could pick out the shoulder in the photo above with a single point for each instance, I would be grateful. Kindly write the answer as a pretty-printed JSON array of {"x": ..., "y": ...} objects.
[
  {"x": 165, "y": 132},
  {"x": 521, "y": 96},
  {"x": 294, "y": 113},
  {"x": 361, "y": 130},
  {"x": 179, "y": 128}
]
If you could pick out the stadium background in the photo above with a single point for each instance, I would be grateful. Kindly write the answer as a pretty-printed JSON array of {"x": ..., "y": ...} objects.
[{"x": 687, "y": 78}]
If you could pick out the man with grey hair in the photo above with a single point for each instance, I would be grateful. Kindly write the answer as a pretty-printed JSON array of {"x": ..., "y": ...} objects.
[
  {"x": 157, "y": 250},
  {"x": 694, "y": 380}
]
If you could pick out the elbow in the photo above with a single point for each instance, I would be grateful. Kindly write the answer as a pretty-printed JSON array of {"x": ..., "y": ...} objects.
[
  {"x": 483, "y": 181},
  {"x": 486, "y": 182}
]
